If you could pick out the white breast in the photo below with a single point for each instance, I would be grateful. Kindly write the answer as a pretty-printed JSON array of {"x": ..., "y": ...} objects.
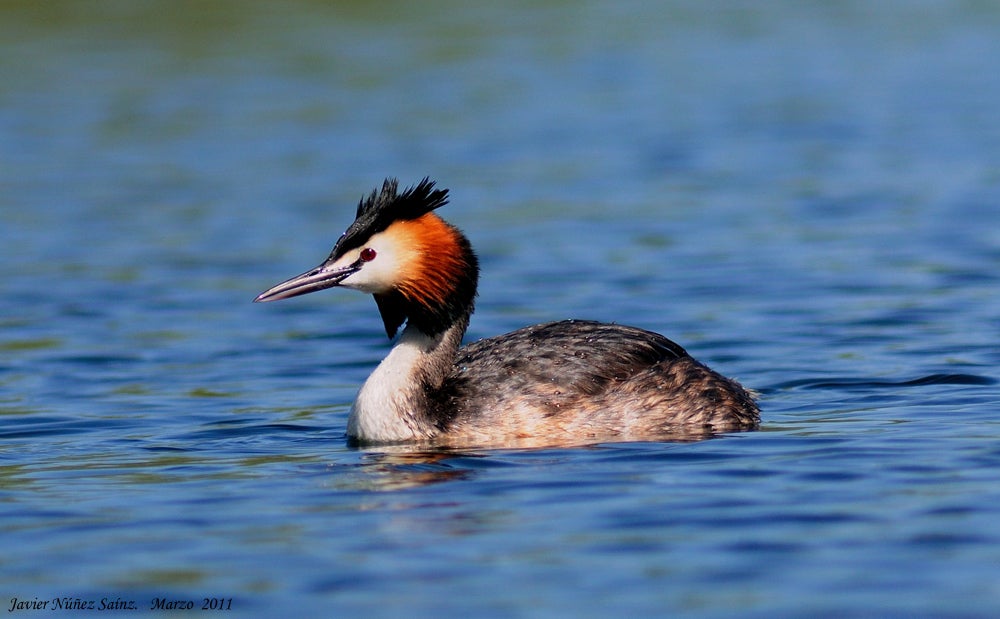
[{"x": 385, "y": 409}]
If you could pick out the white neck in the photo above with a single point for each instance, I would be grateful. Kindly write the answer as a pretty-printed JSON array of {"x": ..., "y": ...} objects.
[{"x": 393, "y": 405}]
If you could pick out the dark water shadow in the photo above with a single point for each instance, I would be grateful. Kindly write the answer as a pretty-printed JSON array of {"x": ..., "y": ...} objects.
[{"x": 853, "y": 383}]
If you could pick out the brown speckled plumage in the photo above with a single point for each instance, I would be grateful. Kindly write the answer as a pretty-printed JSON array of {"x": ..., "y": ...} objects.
[{"x": 572, "y": 381}]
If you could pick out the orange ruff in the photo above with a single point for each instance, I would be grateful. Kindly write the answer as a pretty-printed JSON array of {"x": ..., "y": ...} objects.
[{"x": 434, "y": 264}]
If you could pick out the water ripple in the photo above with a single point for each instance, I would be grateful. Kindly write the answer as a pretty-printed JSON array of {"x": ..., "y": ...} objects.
[{"x": 858, "y": 383}]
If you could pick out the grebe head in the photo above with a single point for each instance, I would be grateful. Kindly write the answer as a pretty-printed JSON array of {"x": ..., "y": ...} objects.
[{"x": 418, "y": 267}]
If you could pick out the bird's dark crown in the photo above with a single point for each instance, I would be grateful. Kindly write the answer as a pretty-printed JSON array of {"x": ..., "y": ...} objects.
[{"x": 380, "y": 209}]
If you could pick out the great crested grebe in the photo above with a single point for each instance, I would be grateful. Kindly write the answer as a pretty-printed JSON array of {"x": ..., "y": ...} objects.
[{"x": 569, "y": 382}]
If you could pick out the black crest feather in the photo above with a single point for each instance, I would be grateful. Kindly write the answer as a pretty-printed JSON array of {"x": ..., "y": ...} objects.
[{"x": 380, "y": 209}]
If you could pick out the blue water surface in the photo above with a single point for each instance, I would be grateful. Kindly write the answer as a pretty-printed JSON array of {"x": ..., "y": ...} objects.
[{"x": 805, "y": 195}]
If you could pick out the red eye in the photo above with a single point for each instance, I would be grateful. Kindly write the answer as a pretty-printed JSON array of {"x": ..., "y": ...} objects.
[{"x": 368, "y": 254}]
